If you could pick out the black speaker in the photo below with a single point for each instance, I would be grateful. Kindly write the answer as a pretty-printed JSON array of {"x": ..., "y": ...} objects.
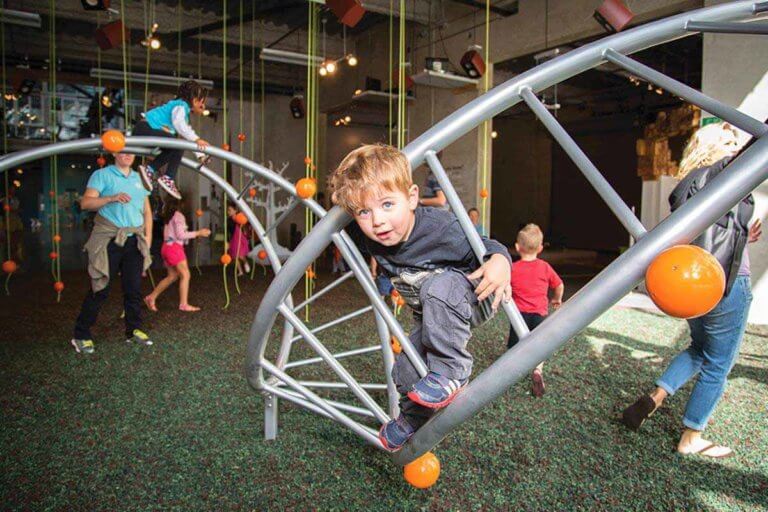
[
  {"x": 349, "y": 12},
  {"x": 297, "y": 107},
  {"x": 95, "y": 5},
  {"x": 473, "y": 64},
  {"x": 372, "y": 84}
]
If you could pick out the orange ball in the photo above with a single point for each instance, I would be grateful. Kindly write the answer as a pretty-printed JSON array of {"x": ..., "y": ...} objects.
[
  {"x": 9, "y": 266},
  {"x": 241, "y": 137},
  {"x": 57, "y": 238},
  {"x": 53, "y": 255},
  {"x": 396, "y": 347},
  {"x": 400, "y": 301},
  {"x": 51, "y": 193},
  {"x": 6, "y": 207},
  {"x": 484, "y": 193},
  {"x": 101, "y": 161},
  {"x": 199, "y": 212},
  {"x": 394, "y": 294},
  {"x": 307, "y": 160},
  {"x": 685, "y": 281},
  {"x": 225, "y": 259},
  {"x": 241, "y": 219},
  {"x": 310, "y": 273},
  {"x": 262, "y": 254},
  {"x": 113, "y": 141},
  {"x": 306, "y": 188},
  {"x": 252, "y": 192},
  {"x": 225, "y": 147},
  {"x": 58, "y": 286},
  {"x": 422, "y": 472}
]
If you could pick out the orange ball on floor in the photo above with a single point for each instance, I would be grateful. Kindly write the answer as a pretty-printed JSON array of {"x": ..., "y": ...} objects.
[{"x": 422, "y": 472}]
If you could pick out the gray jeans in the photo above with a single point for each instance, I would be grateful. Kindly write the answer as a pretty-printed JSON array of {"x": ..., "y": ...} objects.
[{"x": 439, "y": 335}]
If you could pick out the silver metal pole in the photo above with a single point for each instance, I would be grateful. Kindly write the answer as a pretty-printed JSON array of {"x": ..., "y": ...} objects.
[
  {"x": 334, "y": 364},
  {"x": 338, "y": 355},
  {"x": 515, "y": 318},
  {"x": 388, "y": 359},
  {"x": 720, "y": 195},
  {"x": 598, "y": 182},
  {"x": 718, "y": 108},
  {"x": 727, "y": 28},
  {"x": 337, "y": 321},
  {"x": 325, "y": 290},
  {"x": 319, "y": 384},
  {"x": 341, "y": 406}
]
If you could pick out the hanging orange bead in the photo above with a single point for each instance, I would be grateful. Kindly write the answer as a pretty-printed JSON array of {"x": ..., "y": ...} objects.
[
  {"x": 252, "y": 192},
  {"x": 226, "y": 147},
  {"x": 396, "y": 347},
  {"x": 57, "y": 238},
  {"x": 241, "y": 137},
  {"x": 307, "y": 160},
  {"x": 58, "y": 286},
  {"x": 225, "y": 259},
  {"x": 484, "y": 193},
  {"x": 241, "y": 219},
  {"x": 6, "y": 207},
  {"x": 262, "y": 254},
  {"x": 9, "y": 266},
  {"x": 306, "y": 188},
  {"x": 310, "y": 273},
  {"x": 53, "y": 255},
  {"x": 199, "y": 212}
]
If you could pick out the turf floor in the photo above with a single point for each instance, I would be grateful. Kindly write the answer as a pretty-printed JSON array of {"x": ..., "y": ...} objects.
[{"x": 176, "y": 427}]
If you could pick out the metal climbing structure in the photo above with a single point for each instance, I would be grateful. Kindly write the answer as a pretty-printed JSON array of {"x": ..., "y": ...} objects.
[{"x": 273, "y": 377}]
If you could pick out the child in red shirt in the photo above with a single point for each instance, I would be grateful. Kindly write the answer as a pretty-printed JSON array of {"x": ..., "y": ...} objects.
[{"x": 531, "y": 280}]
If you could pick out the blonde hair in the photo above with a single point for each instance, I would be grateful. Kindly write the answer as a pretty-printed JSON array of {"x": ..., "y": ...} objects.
[
  {"x": 707, "y": 145},
  {"x": 530, "y": 238},
  {"x": 365, "y": 170}
]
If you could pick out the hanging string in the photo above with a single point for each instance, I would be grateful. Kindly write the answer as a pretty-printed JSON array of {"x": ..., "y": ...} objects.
[
  {"x": 5, "y": 152},
  {"x": 147, "y": 24},
  {"x": 98, "y": 65},
  {"x": 225, "y": 139},
  {"x": 199, "y": 122},
  {"x": 311, "y": 145},
  {"x": 178, "y": 67},
  {"x": 487, "y": 122},
  {"x": 55, "y": 225},
  {"x": 240, "y": 131},
  {"x": 391, "y": 69},
  {"x": 253, "y": 117},
  {"x": 401, "y": 92},
  {"x": 126, "y": 91}
]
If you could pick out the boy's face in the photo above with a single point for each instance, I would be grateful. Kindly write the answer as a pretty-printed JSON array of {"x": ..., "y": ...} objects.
[
  {"x": 198, "y": 106},
  {"x": 474, "y": 216},
  {"x": 387, "y": 215}
]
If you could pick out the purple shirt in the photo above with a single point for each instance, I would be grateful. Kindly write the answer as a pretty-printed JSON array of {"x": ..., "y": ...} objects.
[
  {"x": 744, "y": 267},
  {"x": 176, "y": 230}
]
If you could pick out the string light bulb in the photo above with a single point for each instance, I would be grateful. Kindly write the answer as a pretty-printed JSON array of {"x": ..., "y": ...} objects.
[
  {"x": 322, "y": 71},
  {"x": 330, "y": 66},
  {"x": 352, "y": 60},
  {"x": 154, "y": 43}
]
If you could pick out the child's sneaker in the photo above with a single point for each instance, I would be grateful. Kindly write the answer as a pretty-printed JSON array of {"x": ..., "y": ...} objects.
[
  {"x": 394, "y": 434},
  {"x": 537, "y": 383},
  {"x": 82, "y": 346},
  {"x": 139, "y": 337},
  {"x": 148, "y": 176},
  {"x": 435, "y": 391},
  {"x": 169, "y": 186}
]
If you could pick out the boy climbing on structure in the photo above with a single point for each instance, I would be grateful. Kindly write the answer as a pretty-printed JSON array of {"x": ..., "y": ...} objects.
[{"x": 429, "y": 260}]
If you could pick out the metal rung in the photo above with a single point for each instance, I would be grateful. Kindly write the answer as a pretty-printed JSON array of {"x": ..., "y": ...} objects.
[
  {"x": 727, "y": 28},
  {"x": 247, "y": 186},
  {"x": 721, "y": 110},
  {"x": 338, "y": 321},
  {"x": 340, "y": 355},
  {"x": 340, "y": 405},
  {"x": 600, "y": 184},
  {"x": 325, "y": 290},
  {"x": 339, "y": 385},
  {"x": 283, "y": 216}
]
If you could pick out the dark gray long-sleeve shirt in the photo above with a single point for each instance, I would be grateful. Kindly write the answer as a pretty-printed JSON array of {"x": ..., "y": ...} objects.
[{"x": 436, "y": 243}]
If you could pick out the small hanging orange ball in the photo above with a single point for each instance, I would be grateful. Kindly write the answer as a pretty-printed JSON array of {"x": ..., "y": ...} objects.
[
  {"x": 53, "y": 255},
  {"x": 422, "y": 472},
  {"x": 225, "y": 259},
  {"x": 310, "y": 273},
  {"x": 396, "y": 347},
  {"x": 252, "y": 192},
  {"x": 58, "y": 286},
  {"x": 241, "y": 219},
  {"x": 9, "y": 266},
  {"x": 101, "y": 161},
  {"x": 306, "y": 188},
  {"x": 394, "y": 294},
  {"x": 6, "y": 207},
  {"x": 307, "y": 160},
  {"x": 113, "y": 141},
  {"x": 262, "y": 254},
  {"x": 199, "y": 212},
  {"x": 685, "y": 281},
  {"x": 226, "y": 147},
  {"x": 484, "y": 193},
  {"x": 314, "y": 168},
  {"x": 241, "y": 137},
  {"x": 57, "y": 238},
  {"x": 400, "y": 301}
]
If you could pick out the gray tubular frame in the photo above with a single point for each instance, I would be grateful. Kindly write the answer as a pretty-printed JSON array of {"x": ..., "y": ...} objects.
[{"x": 744, "y": 174}]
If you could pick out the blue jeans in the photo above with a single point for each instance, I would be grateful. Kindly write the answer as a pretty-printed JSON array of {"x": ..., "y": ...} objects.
[{"x": 715, "y": 341}]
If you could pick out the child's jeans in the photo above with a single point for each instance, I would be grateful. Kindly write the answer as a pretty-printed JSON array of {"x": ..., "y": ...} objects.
[
  {"x": 715, "y": 341},
  {"x": 171, "y": 157},
  {"x": 439, "y": 335}
]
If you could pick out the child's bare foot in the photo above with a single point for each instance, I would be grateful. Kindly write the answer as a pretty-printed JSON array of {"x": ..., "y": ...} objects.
[
  {"x": 691, "y": 443},
  {"x": 188, "y": 308},
  {"x": 150, "y": 302},
  {"x": 537, "y": 383}
]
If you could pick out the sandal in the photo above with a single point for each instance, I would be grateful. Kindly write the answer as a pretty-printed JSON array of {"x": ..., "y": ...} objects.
[
  {"x": 710, "y": 450},
  {"x": 636, "y": 414},
  {"x": 150, "y": 302}
]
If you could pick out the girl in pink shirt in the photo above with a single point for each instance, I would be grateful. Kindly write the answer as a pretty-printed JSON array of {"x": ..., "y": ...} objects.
[{"x": 175, "y": 237}]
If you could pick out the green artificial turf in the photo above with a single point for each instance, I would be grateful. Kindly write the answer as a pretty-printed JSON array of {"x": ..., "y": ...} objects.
[{"x": 176, "y": 426}]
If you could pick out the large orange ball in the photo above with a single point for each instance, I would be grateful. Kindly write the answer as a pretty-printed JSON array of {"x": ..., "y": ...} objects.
[
  {"x": 252, "y": 192},
  {"x": 262, "y": 254},
  {"x": 306, "y": 188},
  {"x": 685, "y": 281},
  {"x": 241, "y": 219},
  {"x": 58, "y": 286},
  {"x": 422, "y": 472},
  {"x": 113, "y": 141},
  {"x": 225, "y": 259},
  {"x": 9, "y": 266}
]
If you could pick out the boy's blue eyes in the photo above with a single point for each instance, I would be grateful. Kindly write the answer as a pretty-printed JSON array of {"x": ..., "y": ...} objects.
[{"x": 386, "y": 205}]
